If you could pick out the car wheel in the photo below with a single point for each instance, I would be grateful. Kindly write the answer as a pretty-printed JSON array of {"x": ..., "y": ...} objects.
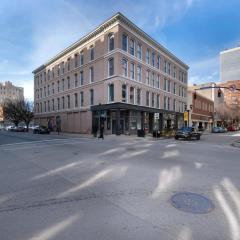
[
  {"x": 176, "y": 137},
  {"x": 198, "y": 137},
  {"x": 189, "y": 138}
]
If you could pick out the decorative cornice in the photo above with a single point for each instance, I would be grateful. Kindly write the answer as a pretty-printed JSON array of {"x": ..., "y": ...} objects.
[{"x": 117, "y": 17}]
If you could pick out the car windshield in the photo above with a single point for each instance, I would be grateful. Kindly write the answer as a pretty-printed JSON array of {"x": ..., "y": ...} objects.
[{"x": 186, "y": 129}]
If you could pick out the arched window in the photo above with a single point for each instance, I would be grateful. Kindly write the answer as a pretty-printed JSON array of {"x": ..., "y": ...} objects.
[
  {"x": 110, "y": 67},
  {"x": 110, "y": 42},
  {"x": 124, "y": 42},
  {"x": 124, "y": 67}
]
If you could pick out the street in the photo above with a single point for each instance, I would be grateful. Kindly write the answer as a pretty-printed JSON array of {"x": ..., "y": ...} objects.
[{"x": 65, "y": 187}]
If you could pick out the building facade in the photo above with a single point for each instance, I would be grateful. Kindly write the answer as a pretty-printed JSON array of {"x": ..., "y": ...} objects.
[
  {"x": 201, "y": 111},
  {"x": 116, "y": 75},
  {"x": 9, "y": 91},
  {"x": 229, "y": 64}
]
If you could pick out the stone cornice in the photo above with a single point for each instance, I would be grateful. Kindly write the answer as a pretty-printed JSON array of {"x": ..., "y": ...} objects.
[{"x": 117, "y": 17}]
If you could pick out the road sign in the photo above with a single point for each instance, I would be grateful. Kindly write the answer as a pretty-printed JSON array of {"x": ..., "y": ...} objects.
[
  {"x": 156, "y": 116},
  {"x": 185, "y": 116},
  {"x": 232, "y": 87}
]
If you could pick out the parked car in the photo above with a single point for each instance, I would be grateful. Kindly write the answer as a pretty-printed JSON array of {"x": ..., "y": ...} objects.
[
  {"x": 232, "y": 128},
  {"x": 219, "y": 130},
  {"x": 188, "y": 133},
  {"x": 41, "y": 130}
]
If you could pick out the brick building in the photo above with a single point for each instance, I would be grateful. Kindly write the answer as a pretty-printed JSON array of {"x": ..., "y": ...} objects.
[{"x": 116, "y": 75}]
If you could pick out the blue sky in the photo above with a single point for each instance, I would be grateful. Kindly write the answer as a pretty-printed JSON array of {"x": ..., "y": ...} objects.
[{"x": 32, "y": 31}]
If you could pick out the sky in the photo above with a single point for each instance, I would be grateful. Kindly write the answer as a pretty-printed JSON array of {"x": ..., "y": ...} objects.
[{"x": 33, "y": 31}]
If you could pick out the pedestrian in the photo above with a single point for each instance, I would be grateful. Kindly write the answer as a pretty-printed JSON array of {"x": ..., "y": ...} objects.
[{"x": 101, "y": 131}]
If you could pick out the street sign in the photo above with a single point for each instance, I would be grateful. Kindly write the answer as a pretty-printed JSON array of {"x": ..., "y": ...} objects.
[
  {"x": 185, "y": 116},
  {"x": 232, "y": 87},
  {"x": 156, "y": 116}
]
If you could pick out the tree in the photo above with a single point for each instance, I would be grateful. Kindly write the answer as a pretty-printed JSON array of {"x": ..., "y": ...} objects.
[
  {"x": 11, "y": 111},
  {"x": 26, "y": 112},
  {"x": 18, "y": 111}
]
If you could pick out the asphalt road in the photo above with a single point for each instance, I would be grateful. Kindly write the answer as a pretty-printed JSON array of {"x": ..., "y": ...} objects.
[{"x": 118, "y": 188}]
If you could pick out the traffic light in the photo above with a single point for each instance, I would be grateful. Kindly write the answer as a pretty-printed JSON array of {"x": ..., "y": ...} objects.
[
  {"x": 195, "y": 95},
  {"x": 219, "y": 92}
]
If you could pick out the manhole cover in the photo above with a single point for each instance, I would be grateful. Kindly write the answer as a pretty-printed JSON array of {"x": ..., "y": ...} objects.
[{"x": 192, "y": 202}]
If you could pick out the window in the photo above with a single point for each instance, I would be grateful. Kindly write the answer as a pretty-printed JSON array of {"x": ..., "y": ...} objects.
[
  {"x": 81, "y": 78},
  {"x": 58, "y": 86},
  {"x": 132, "y": 95},
  {"x": 91, "y": 97},
  {"x": 124, "y": 42},
  {"x": 132, "y": 47},
  {"x": 110, "y": 67},
  {"x": 158, "y": 81},
  {"x": 153, "y": 59},
  {"x": 68, "y": 101},
  {"x": 58, "y": 104},
  {"x": 81, "y": 58},
  {"x": 52, "y": 88},
  {"x": 40, "y": 107},
  {"x": 63, "y": 102},
  {"x": 76, "y": 60},
  {"x": 76, "y": 79},
  {"x": 138, "y": 96},
  {"x": 174, "y": 88},
  {"x": 44, "y": 91},
  {"x": 75, "y": 100},
  {"x": 153, "y": 99},
  {"x": 111, "y": 92},
  {"x": 174, "y": 104},
  {"x": 58, "y": 70},
  {"x": 62, "y": 84},
  {"x": 147, "y": 98},
  {"x": 91, "y": 53},
  {"x": 48, "y": 89},
  {"x": 45, "y": 106},
  {"x": 68, "y": 64},
  {"x": 91, "y": 73},
  {"x": 63, "y": 69},
  {"x": 148, "y": 77},
  {"x": 158, "y": 61},
  {"x": 148, "y": 56},
  {"x": 68, "y": 82},
  {"x": 124, "y": 67},
  {"x": 169, "y": 68},
  {"x": 139, "y": 73},
  {"x": 110, "y": 42},
  {"x": 165, "y": 102},
  {"x": 168, "y": 103},
  {"x": 169, "y": 86},
  {"x": 48, "y": 74},
  {"x": 53, "y": 108},
  {"x": 48, "y": 104},
  {"x": 139, "y": 51},
  {"x": 132, "y": 71},
  {"x": 124, "y": 93},
  {"x": 158, "y": 101},
  {"x": 165, "y": 84},
  {"x": 153, "y": 79},
  {"x": 179, "y": 91},
  {"x": 165, "y": 66},
  {"x": 174, "y": 72},
  {"x": 81, "y": 99}
]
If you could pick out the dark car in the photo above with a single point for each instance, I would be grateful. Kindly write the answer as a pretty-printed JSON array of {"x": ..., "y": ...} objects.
[
  {"x": 41, "y": 130},
  {"x": 187, "y": 133}
]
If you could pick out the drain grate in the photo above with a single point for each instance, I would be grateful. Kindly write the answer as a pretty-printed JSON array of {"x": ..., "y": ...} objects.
[{"x": 192, "y": 203}]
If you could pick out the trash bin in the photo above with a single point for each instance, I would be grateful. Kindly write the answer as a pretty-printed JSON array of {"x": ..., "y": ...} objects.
[{"x": 140, "y": 133}]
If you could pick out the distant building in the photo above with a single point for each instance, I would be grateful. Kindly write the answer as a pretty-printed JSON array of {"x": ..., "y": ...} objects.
[
  {"x": 9, "y": 91},
  {"x": 116, "y": 76},
  {"x": 201, "y": 110},
  {"x": 230, "y": 64}
]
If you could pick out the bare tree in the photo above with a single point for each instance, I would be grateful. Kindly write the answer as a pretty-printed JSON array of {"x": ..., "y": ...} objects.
[{"x": 18, "y": 111}]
